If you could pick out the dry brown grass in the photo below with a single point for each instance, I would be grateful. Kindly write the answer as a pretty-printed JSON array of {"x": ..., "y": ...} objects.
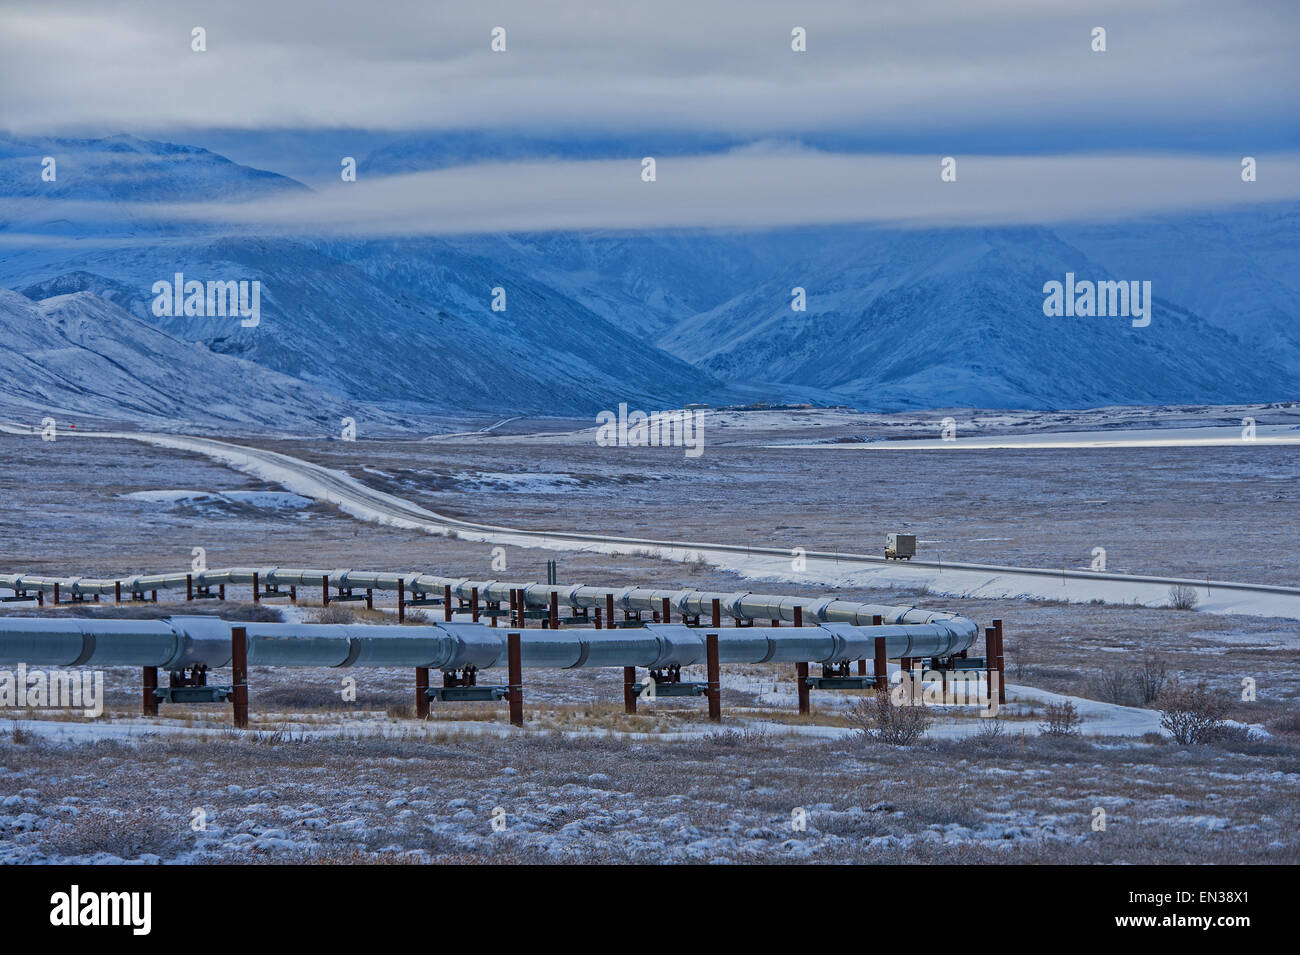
[{"x": 994, "y": 800}]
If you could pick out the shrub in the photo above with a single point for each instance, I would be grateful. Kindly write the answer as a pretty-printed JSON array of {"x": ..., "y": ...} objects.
[
  {"x": 1062, "y": 720},
  {"x": 882, "y": 721},
  {"x": 335, "y": 614},
  {"x": 1152, "y": 679},
  {"x": 1183, "y": 597},
  {"x": 1288, "y": 723},
  {"x": 1113, "y": 684},
  {"x": 1191, "y": 714},
  {"x": 1019, "y": 666}
]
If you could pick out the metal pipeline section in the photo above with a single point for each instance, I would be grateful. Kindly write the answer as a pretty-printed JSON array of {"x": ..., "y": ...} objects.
[
  {"x": 185, "y": 641},
  {"x": 738, "y": 605}
]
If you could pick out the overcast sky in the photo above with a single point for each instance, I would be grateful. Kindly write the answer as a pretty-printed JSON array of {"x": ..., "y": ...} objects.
[
  {"x": 746, "y": 189},
  {"x": 1212, "y": 81},
  {"x": 1022, "y": 65}
]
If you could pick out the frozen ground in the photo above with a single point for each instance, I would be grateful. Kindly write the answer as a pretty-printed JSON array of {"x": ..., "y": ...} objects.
[
  {"x": 354, "y": 782},
  {"x": 718, "y": 797}
]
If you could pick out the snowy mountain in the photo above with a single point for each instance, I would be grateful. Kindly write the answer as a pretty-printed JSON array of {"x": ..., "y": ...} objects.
[
  {"x": 82, "y": 355},
  {"x": 1238, "y": 269},
  {"x": 127, "y": 168},
  {"x": 411, "y": 328},
  {"x": 955, "y": 318},
  {"x": 895, "y": 318}
]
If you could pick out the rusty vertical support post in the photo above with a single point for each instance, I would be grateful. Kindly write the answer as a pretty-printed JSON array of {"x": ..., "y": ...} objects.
[
  {"x": 862, "y": 668},
  {"x": 514, "y": 608},
  {"x": 882, "y": 665},
  {"x": 876, "y": 621},
  {"x": 239, "y": 675},
  {"x": 324, "y": 590},
  {"x": 221, "y": 591},
  {"x": 776, "y": 623},
  {"x": 257, "y": 588},
  {"x": 798, "y": 616},
  {"x": 555, "y": 610},
  {"x": 117, "y": 591},
  {"x": 40, "y": 598},
  {"x": 149, "y": 703},
  {"x": 629, "y": 689},
  {"x": 516, "y": 674},
  {"x": 1002, "y": 663},
  {"x": 599, "y": 624},
  {"x": 293, "y": 594},
  {"x": 446, "y": 602},
  {"x": 714, "y": 677},
  {"x": 401, "y": 599},
  {"x": 717, "y": 612},
  {"x": 56, "y": 593},
  {"x": 609, "y": 611},
  {"x": 801, "y": 681},
  {"x": 189, "y": 586},
  {"x": 666, "y": 613},
  {"x": 370, "y": 598},
  {"x": 421, "y": 693},
  {"x": 95, "y": 598},
  {"x": 153, "y": 595},
  {"x": 990, "y": 652},
  {"x": 473, "y": 604}
]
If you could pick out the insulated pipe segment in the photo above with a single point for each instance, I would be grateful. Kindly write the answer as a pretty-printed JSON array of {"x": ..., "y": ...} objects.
[
  {"x": 185, "y": 641},
  {"x": 959, "y": 632}
]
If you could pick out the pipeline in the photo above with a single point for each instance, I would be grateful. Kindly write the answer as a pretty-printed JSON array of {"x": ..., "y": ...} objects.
[
  {"x": 182, "y": 641},
  {"x": 841, "y": 628},
  {"x": 739, "y": 605}
]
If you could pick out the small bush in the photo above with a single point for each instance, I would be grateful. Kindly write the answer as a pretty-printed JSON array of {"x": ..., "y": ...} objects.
[
  {"x": 881, "y": 721},
  {"x": 1183, "y": 597},
  {"x": 1191, "y": 714},
  {"x": 1112, "y": 684},
  {"x": 1288, "y": 723},
  {"x": 335, "y": 613},
  {"x": 1062, "y": 719},
  {"x": 1152, "y": 679}
]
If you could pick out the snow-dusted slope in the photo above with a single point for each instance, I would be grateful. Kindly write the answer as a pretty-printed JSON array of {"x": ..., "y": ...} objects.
[
  {"x": 954, "y": 318},
  {"x": 127, "y": 168},
  {"x": 80, "y": 354},
  {"x": 1239, "y": 270},
  {"x": 406, "y": 325}
]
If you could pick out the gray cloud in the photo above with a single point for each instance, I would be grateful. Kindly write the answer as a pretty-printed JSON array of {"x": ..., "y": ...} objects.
[
  {"x": 689, "y": 64},
  {"x": 751, "y": 188}
]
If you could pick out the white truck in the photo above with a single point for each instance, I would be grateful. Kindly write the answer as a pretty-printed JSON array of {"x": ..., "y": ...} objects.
[{"x": 900, "y": 546}]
